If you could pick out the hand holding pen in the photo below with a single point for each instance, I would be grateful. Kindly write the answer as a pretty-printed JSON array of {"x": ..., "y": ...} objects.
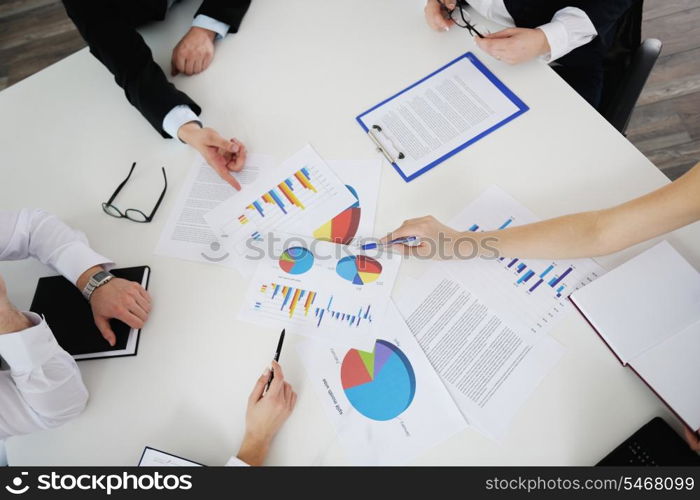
[
  {"x": 425, "y": 237},
  {"x": 267, "y": 411},
  {"x": 276, "y": 359}
]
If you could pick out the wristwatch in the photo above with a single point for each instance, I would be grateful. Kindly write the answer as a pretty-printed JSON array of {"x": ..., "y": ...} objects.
[{"x": 96, "y": 280}]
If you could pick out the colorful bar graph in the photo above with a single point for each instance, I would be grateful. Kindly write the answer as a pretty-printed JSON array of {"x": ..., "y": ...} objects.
[
  {"x": 291, "y": 297},
  {"x": 506, "y": 223},
  {"x": 283, "y": 195},
  {"x": 534, "y": 287},
  {"x": 291, "y": 197},
  {"x": 526, "y": 276},
  {"x": 292, "y": 300},
  {"x": 563, "y": 275},
  {"x": 475, "y": 227},
  {"x": 257, "y": 207},
  {"x": 546, "y": 271},
  {"x": 351, "y": 319}
]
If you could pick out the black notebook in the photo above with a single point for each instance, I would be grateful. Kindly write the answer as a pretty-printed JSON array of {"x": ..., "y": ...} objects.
[{"x": 70, "y": 317}]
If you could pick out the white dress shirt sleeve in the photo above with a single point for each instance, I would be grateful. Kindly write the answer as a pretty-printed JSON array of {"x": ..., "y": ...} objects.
[
  {"x": 569, "y": 29},
  {"x": 43, "y": 387},
  {"x": 211, "y": 24},
  {"x": 236, "y": 462},
  {"x": 177, "y": 117},
  {"x": 36, "y": 233}
]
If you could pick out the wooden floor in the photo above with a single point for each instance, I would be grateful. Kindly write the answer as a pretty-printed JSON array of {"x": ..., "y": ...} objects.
[{"x": 665, "y": 125}]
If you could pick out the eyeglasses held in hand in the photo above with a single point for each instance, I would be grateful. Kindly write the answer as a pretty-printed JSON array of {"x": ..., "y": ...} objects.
[
  {"x": 132, "y": 214},
  {"x": 461, "y": 17}
]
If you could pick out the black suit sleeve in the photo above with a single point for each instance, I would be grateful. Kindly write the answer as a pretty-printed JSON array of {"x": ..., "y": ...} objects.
[
  {"x": 230, "y": 12},
  {"x": 604, "y": 14},
  {"x": 109, "y": 29}
]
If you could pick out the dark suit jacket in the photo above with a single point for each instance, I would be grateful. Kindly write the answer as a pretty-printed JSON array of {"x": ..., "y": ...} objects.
[
  {"x": 109, "y": 28},
  {"x": 584, "y": 67},
  {"x": 604, "y": 14}
]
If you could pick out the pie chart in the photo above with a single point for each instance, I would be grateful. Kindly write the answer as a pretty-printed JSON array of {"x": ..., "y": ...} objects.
[
  {"x": 341, "y": 229},
  {"x": 380, "y": 384},
  {"x": 296, "y": 260},
  {"x": 359, "y": 269}
]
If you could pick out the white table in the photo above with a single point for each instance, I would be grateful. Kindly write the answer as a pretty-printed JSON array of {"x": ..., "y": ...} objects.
[{"x": 299, "y": 72}]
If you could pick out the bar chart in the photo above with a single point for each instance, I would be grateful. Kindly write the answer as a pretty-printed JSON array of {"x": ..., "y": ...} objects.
[
  {"x": 283, "y": 196},
  {"x": 531, "y": 293},
  {"x": 524, "y": 273},
  {"x": 304, "y": 306}
]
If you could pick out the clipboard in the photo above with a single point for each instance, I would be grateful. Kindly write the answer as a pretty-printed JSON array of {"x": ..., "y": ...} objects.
[{"x": 394, "y": 152}]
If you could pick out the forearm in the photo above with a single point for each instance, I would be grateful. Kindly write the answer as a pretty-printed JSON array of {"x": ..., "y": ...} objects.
[
  {"x": 253, "y": 451},
  {"x": 12, "y": 320},
  {"x": 589, "y": 234},
  {"x": 567, "y": 237}
]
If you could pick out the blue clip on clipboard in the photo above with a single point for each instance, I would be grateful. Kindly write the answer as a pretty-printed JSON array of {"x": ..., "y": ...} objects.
[{"x": 371, "y": 128}]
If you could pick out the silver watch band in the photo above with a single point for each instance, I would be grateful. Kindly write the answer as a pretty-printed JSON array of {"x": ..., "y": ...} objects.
[{"x": 96, "y": 280}]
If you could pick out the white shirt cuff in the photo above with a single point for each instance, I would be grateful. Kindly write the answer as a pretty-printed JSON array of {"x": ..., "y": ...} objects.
[
  {"x": 569, "y": 29},
  {"x": 211, "y": 24},
  {"x": 26, "y": 350},
  {"x": 76, "y": 258},
  {"x": 236, "y": 462},
  {"x": 177, "y": 117}
]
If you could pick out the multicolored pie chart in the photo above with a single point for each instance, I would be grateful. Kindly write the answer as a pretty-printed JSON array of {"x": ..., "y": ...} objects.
[
  {"x": 296, "y": 260},
  {"x": 342, "y": 228},
  {"x": 359, "y": 269},
  {"x": 380, "y": 384}
]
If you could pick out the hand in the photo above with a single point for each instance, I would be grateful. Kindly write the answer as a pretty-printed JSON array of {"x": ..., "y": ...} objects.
[
  {"x": 222, "y": 155},
  {"x": 515, "y": 45},
  {"x": 693, "y": 440},
  {"x": 436, "y": 15},
  {"x": 11, "y": 319},
  {"x": 437, "y": 240},
  {"x": 121, "y": 299},
  {"x": 265, "y": 415},
  {"x": 194, "y": 52}
]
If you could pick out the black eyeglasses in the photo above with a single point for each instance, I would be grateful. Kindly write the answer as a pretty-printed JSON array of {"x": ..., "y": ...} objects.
[
  {"x": 461, "y": 17},
  {"x": 132, "y": 214}
]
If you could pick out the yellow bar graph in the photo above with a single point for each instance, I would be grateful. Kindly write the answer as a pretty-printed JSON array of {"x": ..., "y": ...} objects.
[
  {"x": 293, "y": 305},
  {"x": 309, "y": 301},
  {"x": 290, "y": 195},
  {"x": 304, "y": 181}
]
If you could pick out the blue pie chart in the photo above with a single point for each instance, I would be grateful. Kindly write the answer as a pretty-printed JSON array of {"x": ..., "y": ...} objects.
[
  {"x": 296, "y": 260},
  {"x": 380, "y": 384}
]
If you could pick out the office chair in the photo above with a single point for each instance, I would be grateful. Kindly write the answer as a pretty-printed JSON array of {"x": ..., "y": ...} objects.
[
  {"x": 628, "y": 64},
  {"x": 619, "y": 109}
]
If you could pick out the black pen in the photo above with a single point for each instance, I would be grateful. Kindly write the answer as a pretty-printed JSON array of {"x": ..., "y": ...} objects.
[{"x": 277, "y": 358}]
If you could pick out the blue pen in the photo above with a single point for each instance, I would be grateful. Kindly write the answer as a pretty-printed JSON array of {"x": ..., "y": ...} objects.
[{"x": 405, "y": 241}]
